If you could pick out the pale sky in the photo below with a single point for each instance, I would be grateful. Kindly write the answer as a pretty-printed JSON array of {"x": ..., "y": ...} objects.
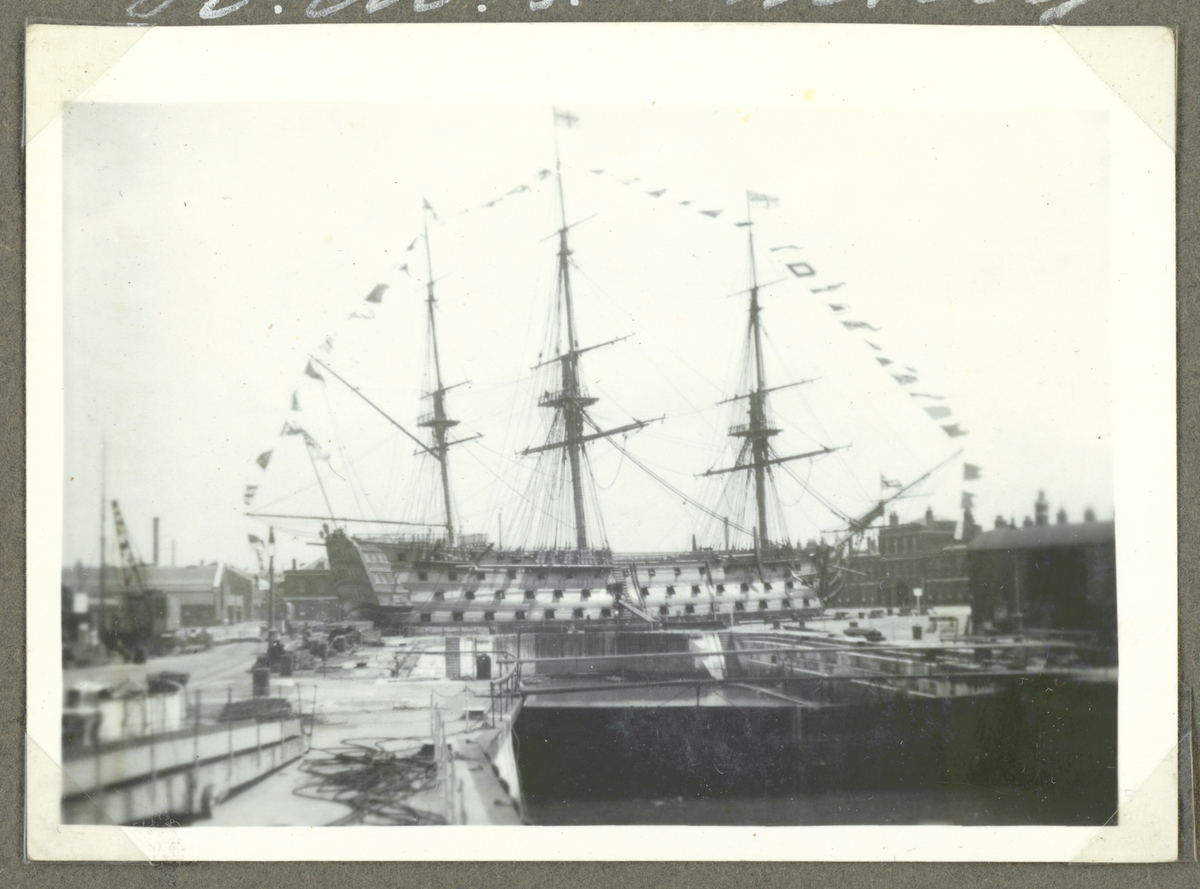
[{"x": 210, "y": 248}]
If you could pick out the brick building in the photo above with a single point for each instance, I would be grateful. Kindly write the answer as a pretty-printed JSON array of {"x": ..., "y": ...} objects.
[
  {"x": 309, "y": 593},
  {"x": 914, "y": 555}
]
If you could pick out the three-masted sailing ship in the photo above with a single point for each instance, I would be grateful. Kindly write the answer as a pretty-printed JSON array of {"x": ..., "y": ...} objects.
[{"x": 451, "y": 577}]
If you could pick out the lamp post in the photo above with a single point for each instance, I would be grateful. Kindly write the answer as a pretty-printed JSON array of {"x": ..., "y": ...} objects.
[{"x": 270, "y": 584}]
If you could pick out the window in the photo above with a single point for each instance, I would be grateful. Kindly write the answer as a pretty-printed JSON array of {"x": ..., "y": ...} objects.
[
  {"x": 498, "y": 595},
  {"x": 762, "y": 605},
  {"x": 512, "y": 573},
  {"x": 663, "y": 609},
  {"x": 650, "y": 572},
  {"x": 489, "y": 615},
  {"x": 606, "y": 612},
  {"x": 714, "y": 608},
  {"x": 469, "y": 595},
  {"x": 785, "y": 603},
  {"x": 520, "y": 615},
  {"x": 789, "y": 585},
  {"x": 695, "y": 590},
  {"x": 453, "y": 575},
  {"x": 767, "y": 587},
  {"x": 670, "y": 591},
  {"x": 556, "y": 595},
  {"x": 549, "y": 614},
  {"x": 457, "y": 615},
  {"x": 678, "y": 571},
  {"x": 530, "y": 595},
  {"x": 739, "y": 606},
  {"x": 479, "y": 575},
  {"x": 578, "y": 613},
  {"x": 439, "y": 596},
  {"x": 570, "y": 574},
  {"x": 745, "y": 587},
  {"x": 720, "y": 588},
  {"x": 645, "y": 591},
  {"x": 422, "y": 575},
  {"x": 689, "y": 609},
  {"x": 541, "y": 575},
  {"x": 426, "y": 617},
  {"x": 585, "y": 594}
]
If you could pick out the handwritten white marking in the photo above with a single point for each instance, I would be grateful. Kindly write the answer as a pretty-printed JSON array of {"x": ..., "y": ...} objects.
[
  {"x": 539, "y": 5},
  {"x": 481, "y": 8},
  {"x": 315, "y": 11},
  {"x": 1057, "y": 12},
  {"x": 278, "y": 9},
  {"x": 133, "y": 7},
  {"x": 376, "y": 5},
  {"x": 210, "y": 10}
]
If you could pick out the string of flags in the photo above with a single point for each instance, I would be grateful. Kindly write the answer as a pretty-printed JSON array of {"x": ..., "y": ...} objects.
[{"x": 799, "y": 269}]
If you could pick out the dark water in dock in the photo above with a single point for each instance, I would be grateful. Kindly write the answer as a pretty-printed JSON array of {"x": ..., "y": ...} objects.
[{"x": 1033, "y": 754}]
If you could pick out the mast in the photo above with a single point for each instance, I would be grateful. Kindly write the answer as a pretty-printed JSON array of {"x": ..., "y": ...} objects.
[
  {"x": 570, "y": 402},
  {"x": 758, "y": 430},
  {"x": 437, "y": 420}
]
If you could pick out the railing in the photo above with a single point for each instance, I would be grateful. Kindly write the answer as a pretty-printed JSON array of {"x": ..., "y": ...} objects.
[
  {"x": 449, "y": 782},
  {"x": 931, "y": 671}
]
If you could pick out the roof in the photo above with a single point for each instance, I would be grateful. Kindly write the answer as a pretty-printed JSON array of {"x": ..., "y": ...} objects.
[
  {"x": 167, "y": 578},
  {"x": 1044, "y": 536}
]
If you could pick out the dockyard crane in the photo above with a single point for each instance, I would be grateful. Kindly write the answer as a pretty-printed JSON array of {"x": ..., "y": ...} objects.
[{"x": 142, "y": 612}]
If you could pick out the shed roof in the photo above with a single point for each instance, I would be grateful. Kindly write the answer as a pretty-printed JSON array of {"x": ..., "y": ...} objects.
[{"x": 1044, "y": 536}]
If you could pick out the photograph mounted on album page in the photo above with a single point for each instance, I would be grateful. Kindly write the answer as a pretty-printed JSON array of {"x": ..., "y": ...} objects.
[{"x": 735, "y": 444}]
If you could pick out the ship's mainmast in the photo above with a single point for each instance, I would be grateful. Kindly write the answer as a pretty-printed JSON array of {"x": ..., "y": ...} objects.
[{"x": 570, "y": 401}]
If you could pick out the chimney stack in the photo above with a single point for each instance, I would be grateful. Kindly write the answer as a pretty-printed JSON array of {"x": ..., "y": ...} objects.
[
  {"x": 1061, "y": 518},
  {"x": 156, "y": 540},
  {"x": 1041, "y": 509},
  {"x": 894, "y": 520}
]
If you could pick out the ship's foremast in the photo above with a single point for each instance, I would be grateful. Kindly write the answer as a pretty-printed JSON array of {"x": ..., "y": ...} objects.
[{"x": 438, "y": 421}]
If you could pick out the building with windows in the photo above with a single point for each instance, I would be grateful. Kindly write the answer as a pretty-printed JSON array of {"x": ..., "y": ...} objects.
[
  {"x": 191, "y": 596},
  {"x": 923, "y": 555},
  {"x": 308, "y": 593}
]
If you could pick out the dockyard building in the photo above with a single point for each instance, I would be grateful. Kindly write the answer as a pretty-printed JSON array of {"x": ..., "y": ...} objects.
[
  {"x": 909, "y": 556},
  {"x": 190, "y": 596},
  {"x": 309, "y": 593},
  {"x": 1045, "y": 577}
]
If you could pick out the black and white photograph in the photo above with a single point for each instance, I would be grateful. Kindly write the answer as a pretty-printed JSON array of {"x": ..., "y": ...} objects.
[{"x": 593, "y": 433}]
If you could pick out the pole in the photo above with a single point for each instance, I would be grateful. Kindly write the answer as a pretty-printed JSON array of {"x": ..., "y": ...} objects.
[
  {"x": 271, "y": 586},
  {"x": 103, "y": 542}
]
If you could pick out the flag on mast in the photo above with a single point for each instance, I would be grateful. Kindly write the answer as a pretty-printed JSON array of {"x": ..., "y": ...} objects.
[{"x": 264, "y": 458}]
